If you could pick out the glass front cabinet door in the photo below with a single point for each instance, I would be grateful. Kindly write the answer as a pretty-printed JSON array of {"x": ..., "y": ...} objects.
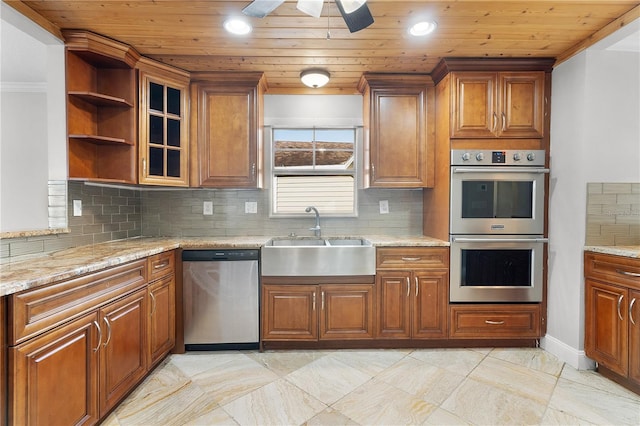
[{"x": 163, "y": 125}]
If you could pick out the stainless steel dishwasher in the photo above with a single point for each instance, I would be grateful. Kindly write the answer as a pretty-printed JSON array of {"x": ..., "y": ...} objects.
[{"x": 220, "y": 299}]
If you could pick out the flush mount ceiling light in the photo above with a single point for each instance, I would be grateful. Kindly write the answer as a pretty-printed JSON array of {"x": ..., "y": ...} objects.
[
  {"x": 315, "y": 77},
  {"x": 237, "y": 26},
  {"x": 422, "y": 28}
]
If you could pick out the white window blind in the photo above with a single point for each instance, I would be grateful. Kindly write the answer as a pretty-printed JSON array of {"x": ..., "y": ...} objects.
[{"x": 329, "y": 194}]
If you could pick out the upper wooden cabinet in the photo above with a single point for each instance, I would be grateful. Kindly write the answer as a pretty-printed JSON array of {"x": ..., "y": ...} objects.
[
  {"x": 399, "y": 113},
  {"x": 502, "y": 104},
  {"x": 101, "y": 108},
  {"x": 226, "y": 130},
  {"x": 164, "y": 124}
]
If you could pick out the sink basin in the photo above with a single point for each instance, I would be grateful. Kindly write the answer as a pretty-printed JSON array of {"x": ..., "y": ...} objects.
[{"x": 308, "y": 257}]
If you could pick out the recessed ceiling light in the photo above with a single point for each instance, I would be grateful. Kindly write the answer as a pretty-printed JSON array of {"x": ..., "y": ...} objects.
[
  {"x": 422, "y": 28},
  {"x": 237, "y": 26}
]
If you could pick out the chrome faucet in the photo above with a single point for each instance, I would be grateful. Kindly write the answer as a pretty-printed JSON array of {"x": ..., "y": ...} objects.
[{"x": 316, "y": 228}]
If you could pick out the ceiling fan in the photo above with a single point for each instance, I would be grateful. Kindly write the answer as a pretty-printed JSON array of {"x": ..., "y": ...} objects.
[{"x": 355, "y": 13}]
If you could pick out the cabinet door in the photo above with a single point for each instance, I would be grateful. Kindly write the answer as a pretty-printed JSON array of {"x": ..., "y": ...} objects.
[
  {"x": 606, "y": 325},
  {"x": 123, "y": 352},
  {"x": 634, "y": 336},
  {"x": 521, "y": 104},
  {"x": 474, "y": 105},
  {"x": 394, "y": 310},
  {"x": 54, "y": 377},
  {"x": 346, "y": 311},
  {"x": 162, "y": 318},
  {"x": 227, "y": 135},
  {"x": 398, "y": 138},
  {"x": 163, "y": 131},
  {"x": 289, "y": 312},
  {"x": 429, "y": 310}
]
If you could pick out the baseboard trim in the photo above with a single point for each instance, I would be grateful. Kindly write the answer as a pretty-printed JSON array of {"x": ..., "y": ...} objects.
[{"x": 570, "y": 355}]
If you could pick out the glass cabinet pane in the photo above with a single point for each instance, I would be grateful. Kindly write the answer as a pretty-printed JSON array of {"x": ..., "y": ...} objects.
[
  {"x": 156, "y": 97},
  {"x": 173, "y": 163},
  {"x": 156, "y": 130},
  {"x": 173, "y": 132},
  {"x": 173, "y": 101},
  {"x": 156, "y": 161}
]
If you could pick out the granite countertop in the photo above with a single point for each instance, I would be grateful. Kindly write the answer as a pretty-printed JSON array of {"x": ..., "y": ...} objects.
[
  {"x": 27, "y": 273},
  {"x": 624, "y": 251}
]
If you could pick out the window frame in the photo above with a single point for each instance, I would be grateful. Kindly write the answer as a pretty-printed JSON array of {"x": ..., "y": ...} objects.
[{"x": 271, "y": 171}]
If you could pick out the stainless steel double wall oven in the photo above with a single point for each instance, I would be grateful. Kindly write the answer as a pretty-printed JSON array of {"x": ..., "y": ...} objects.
[{"x": 497, "y": 225}]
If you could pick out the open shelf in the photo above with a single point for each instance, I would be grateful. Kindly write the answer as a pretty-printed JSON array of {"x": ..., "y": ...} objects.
[
  {"x": 98, "y": 99},
  {"x": 101, "y": 140}
]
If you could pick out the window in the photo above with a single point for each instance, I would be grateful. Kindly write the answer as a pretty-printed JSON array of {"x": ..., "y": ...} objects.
[{"x": 313, "y": 167}]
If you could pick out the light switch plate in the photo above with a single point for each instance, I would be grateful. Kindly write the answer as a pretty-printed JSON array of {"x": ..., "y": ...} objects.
[
  {"x": 207, "y": 208},
  {"x": 77, "y": 207},
  {"x": 251, "y": 207},
  {"x": 384, "y": 206}
]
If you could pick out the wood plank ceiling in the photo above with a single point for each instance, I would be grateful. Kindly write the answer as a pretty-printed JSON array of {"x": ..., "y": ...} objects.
[{"x": 189, "y": 34}]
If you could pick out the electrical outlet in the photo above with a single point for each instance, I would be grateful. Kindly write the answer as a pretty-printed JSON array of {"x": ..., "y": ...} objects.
[
  {"x": 77, "y": 207},
  {"x": 384, "y": 206},
  {"x": 207, "y": 208},
  {"x": 251, "y": 207}
]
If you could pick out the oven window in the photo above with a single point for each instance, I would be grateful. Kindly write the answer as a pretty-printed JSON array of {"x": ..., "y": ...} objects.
[
  {"x": 487, "y": 199},
  {"x": 484, "y": 268}
]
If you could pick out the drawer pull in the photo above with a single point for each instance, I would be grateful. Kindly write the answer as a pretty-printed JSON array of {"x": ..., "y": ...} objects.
[
  {"x": 494, "y": 322},
  {"x": 411, "y": 259},
  {"x": 627, "y": 273},
  {"x": 633, "y": 302},
  {"x": 619, "y": 303},
  {"x": 99, "y": 336},
  {"x": 161, "y": 265}
]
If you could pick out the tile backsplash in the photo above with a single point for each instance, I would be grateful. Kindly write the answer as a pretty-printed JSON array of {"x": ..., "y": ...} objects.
[{"x": 613, "y": 214}]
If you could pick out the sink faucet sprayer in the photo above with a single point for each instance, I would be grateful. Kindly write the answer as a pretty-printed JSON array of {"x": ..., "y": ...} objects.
[{"x": 316, "y": 228}]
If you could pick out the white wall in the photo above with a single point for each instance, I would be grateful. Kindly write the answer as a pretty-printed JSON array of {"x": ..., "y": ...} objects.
[
  {"x": 32, "y": 121},
  {"x": 595, "y": 137}
]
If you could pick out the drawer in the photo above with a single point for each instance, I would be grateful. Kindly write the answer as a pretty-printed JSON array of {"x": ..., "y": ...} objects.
[
  {"x": 613, "y": 269},
  {"x": 34, "y": 311},
  {"x": 494, "y": 321},
  {"x": 412, "y": 257},
  {"x": 161, "y": 264}
]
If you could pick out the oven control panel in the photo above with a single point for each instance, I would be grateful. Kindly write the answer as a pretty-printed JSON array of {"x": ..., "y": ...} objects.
[{"x": 487, "y": 157}]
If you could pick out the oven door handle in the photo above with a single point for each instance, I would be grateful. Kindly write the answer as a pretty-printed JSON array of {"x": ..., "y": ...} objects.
[
  {"x": 500, "y": 170},
  {"x": 500, "y": 240}
]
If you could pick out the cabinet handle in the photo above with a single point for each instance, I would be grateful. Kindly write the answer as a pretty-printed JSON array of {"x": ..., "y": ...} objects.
[
  {"x": 153, "y": 304},
  {"x": 493, "y": 322},
  {"x": 108, "y": 335},
  {"x": 408, "y": 286},
  {"x": 619, "y": 303},
  {"x": 633, "y": 302},
  {"x": 504, "y": 121},
  {"x": 144, "y": 166},
  {"x": 99, "y": 336},
  {"x": 373, "y": 171},
  {"x": 314, "y": 301},
  {"x": 253, "y": 170},
  {"x": 161, "y": 265},
  {"x": 495, "y": 122},
  {"x": 417, "y": 286},
  {"x": 627, "y": 273},
  {"x": 322, "y": 301},
  {"x": 411, "y": 259}
]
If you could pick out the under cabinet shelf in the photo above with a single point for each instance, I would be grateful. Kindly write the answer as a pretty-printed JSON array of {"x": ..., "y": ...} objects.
[
  {"x": 101, "y": 140},
  {"x": 99, "y": 99}
]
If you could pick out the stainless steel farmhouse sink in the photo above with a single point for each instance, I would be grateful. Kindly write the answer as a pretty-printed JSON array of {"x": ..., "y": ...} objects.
[{"x": 308, "y": 257}]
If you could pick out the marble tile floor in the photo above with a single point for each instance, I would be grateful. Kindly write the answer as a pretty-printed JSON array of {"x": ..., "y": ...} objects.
[{"x": 375, "y": 387}]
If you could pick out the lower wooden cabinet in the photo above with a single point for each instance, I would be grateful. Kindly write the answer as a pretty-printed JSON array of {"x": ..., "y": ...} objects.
[
  {"x": 54, "y": 377},
  {"x": 612, "y": 316},
  {"x": 162, "y": 318},
  {"x": 308, "y": 312}
]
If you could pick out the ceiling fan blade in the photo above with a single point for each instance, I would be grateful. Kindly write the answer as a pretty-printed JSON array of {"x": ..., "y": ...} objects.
[
  {"x": 357, "y": 20},
  {"x": 261, "y": 8},
  {"x": 311, "y": 7}
]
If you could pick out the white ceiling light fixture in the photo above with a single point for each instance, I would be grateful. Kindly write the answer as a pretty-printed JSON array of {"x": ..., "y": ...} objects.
[
  {"x": 315, "y": 77},
  {"x": 237, "y": 26},
  {"x": 422, "y": 28}
]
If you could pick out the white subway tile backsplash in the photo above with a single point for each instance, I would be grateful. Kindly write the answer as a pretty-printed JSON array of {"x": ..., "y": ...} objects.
[{"x": 613, "y": 214}]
